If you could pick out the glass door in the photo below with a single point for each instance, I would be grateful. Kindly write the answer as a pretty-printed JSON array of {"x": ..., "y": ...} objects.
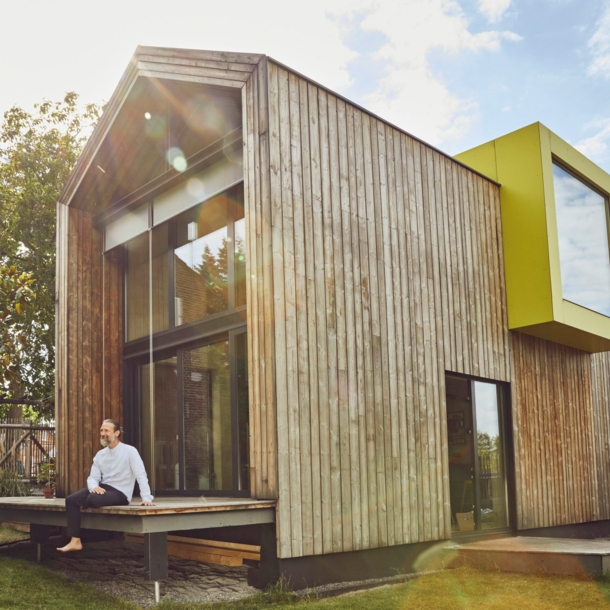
[
  {"x": 193, "y": 417},
  {"x": 477, "y": 455}
]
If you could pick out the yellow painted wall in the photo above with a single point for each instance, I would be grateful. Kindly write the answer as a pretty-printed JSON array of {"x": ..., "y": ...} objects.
[{"x": 515, "y": 162}]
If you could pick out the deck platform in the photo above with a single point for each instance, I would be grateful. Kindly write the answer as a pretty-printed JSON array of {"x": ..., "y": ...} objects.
[
  {"x": 565, "y": 556},
  {"x": 168, "y": 514}
]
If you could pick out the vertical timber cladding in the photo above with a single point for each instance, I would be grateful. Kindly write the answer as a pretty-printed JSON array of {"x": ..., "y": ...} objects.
[
  {"x": 560, "y": 406},
  {"x": 89, "y": 355},
  {"x": 600, "y": 396},
  {"x": 259, "y": 286},
  {"x": 384, "y": 261}
]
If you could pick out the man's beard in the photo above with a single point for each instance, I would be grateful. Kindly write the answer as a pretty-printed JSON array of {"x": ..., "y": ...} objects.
[{"x": 104, "y": 442}]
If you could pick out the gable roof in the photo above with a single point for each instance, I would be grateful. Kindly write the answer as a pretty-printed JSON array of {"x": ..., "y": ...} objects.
[{"x": 216, "y": 68}]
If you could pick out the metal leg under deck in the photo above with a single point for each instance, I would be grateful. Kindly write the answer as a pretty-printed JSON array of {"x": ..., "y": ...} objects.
[
  {"x": 39, "y": 534},
  {"x": 155, "y": 560}
]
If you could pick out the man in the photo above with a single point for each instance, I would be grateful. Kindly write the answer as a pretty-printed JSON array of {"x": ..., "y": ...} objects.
[{"x": 113, "y": 475}]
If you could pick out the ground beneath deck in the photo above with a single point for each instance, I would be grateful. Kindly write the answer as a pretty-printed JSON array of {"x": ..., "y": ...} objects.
[{"x": 116, "y": 568}]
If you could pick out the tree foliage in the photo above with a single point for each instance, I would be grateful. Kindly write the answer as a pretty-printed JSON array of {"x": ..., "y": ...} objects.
[
  {"x": 16, "y": 297},
  {"x": 38, "y": 151}
]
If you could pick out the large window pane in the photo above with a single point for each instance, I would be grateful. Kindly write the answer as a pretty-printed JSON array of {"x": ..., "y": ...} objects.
[
  {"x": 137, "y": 274},
  {"x": 206, "y": 394},
  {"x": 583, "y": 243},
  {"x": 200, "y": 261},
  {"x": 492, "y": 480},
  {"x": 160, "y": 423}
]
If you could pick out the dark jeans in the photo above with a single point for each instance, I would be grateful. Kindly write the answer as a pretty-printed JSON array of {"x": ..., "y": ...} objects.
[{"x": 85, "y": 499}]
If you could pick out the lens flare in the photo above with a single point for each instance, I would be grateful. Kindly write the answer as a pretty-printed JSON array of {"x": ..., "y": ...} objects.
[
  {"x": 176, "y": 159},
  {"x": 195, "y": 187}
]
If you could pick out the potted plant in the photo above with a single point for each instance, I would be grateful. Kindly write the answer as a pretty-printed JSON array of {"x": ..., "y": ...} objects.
[{"x": 46, "y": 476}]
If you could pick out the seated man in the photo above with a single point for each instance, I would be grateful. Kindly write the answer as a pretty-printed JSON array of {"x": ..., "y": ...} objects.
[{"x": 113, "y": 475}]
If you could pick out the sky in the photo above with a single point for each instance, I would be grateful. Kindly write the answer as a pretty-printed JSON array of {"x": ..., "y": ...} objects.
[{"x": 455, "y": 73}]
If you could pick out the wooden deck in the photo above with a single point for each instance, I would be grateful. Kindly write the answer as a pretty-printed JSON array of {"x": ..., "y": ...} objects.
[
  {"x": 154, "y": 522},
  {"x": 168, "y": 514},
  {"x": 567, "y": 556}
]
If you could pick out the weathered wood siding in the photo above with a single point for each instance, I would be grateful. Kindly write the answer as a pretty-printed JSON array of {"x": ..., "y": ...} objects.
[
  {"x": 600, "y": 398},
  {"x": 378, "y": 266},
  {"x": 260, "y": 315},
  {"x": 89, "y": 365},
  {"x": 560, "y": 410}
]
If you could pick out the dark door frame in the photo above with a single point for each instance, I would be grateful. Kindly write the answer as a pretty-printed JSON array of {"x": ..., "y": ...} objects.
[{"x": 506, "y": 432}]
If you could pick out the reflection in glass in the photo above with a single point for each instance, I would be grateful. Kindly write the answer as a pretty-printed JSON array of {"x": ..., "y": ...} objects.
[
  {"x": 243, "y": 414},
  {"x": 137, "y": 304},
  {"x": 160, "y": 422},
  {"x": 240, "y": 262},
  {"x": 460, "y": 444},
  {"x": 200, "y": 261},
  {"x": 207, "y": 417},
  {"x": 583, "y": 243},
  {"x": 492, "y": 482}
]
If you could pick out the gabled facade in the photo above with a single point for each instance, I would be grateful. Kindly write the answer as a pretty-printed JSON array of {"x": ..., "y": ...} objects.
[{"x": 285, "y": 297}]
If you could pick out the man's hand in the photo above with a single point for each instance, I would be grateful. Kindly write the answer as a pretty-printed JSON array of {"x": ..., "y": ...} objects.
[
  {"x": 98, "y": 490},
  {"x": 144, "y": 503}
]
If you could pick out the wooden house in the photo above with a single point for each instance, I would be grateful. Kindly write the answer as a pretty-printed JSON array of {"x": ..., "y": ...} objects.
[{"x": 285, "y": 297}]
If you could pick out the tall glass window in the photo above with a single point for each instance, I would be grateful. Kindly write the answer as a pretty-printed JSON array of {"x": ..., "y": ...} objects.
[
  {"x": 186, "y": 348},
  {"x": 582, "y": 228},
  {"x": 197, "y": 266}
]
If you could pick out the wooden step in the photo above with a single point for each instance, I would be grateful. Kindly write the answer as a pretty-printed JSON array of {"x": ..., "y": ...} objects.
[{"x": 207, "y": 551}]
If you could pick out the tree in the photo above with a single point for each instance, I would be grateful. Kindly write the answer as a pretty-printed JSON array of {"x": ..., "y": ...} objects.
[{"x": 37, "y": 153}]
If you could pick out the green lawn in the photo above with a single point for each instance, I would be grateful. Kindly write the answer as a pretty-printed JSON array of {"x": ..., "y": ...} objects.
[
  {"x": 10, "y": 535},
  {"x": 31, "y": 587},
  {"x": 454, "y": 590},
  {"x": 25, "y": 585}
]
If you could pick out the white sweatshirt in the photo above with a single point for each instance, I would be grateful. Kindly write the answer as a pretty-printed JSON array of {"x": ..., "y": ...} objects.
[{"x": 120, "y": 468}]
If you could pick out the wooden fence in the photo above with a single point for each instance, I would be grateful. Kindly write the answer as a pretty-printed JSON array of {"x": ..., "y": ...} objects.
[{"x": 25, "y": 447}]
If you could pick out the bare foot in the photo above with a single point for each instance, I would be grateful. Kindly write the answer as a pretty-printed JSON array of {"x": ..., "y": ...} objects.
[{"x": 74, "y": 545}]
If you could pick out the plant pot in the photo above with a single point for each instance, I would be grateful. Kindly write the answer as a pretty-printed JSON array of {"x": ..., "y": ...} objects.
[{"x": 48, "y": 492}]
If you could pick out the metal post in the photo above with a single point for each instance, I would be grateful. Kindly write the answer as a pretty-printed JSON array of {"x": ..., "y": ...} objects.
[
  {"x": 38, "y": 552},
  {"x": 155, "y": 556}
]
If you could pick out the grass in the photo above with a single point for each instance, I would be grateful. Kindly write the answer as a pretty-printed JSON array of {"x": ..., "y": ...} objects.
[
  {"x": 10, "y": 535},
  {"x": 461, "y": 589},
  {"x": 31, "y": 587},
  {"x": 24, "y": 585}
]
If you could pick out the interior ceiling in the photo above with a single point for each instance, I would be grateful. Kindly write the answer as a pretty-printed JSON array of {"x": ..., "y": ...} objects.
[{"x": 158, "y": 115}]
